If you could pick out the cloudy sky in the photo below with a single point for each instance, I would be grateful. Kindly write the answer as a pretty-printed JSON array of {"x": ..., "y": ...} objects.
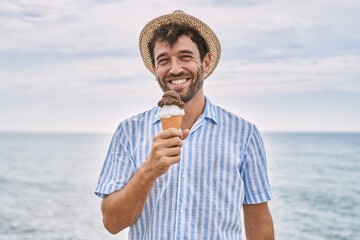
[{"x": 74, "y": 65}]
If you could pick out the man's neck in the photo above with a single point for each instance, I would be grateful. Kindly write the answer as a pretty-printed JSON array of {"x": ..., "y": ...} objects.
[{"x": 193, "y": 109}]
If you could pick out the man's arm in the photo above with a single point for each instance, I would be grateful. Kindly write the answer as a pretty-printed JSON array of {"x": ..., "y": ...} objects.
[
  {"x": 258, "y": 222},
  {"x": 121, "y": 209}
]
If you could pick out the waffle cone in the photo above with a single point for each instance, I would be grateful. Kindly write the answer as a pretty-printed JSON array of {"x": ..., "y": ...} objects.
[{"x": 171, "y": 122}]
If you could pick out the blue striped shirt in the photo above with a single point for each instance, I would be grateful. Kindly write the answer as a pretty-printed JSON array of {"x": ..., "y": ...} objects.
[{"x": 223, "y": 166}]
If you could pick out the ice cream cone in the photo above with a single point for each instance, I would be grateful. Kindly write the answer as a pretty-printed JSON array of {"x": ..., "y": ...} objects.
[
  {"x": 171, "y": 111},
  {"x": 171, "y": 122}
]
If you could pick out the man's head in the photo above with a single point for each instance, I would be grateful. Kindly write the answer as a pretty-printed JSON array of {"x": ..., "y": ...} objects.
[
  {"x": 179, "y": 68},
  {"x": 192, "y": 27}
]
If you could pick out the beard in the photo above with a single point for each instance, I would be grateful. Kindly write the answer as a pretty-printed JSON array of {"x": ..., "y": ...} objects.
[{"x": 197, "y": 82}]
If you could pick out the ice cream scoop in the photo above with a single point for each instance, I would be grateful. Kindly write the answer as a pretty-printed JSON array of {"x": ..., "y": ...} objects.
[{"x": 171, "y": 112}]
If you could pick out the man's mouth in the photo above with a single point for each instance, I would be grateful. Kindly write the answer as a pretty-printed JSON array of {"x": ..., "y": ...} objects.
[{"x": 178, "y": 81}]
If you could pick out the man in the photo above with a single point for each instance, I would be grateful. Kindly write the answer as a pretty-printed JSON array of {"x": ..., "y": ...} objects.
[{"x": 193, "y": 182}]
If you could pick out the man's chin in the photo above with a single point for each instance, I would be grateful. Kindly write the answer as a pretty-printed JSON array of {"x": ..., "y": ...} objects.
[{"x": 186, "y": 97}]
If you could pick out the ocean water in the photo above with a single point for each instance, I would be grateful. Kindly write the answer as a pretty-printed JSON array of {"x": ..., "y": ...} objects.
[{"x": 47, "y": 182}]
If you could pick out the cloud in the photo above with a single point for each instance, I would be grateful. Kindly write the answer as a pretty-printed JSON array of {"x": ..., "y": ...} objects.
[
  {"x": 79, "y": 52},
  {"x": 77, "y": 26},
  {"x": 82, "y": 76},
  {"x": 283, "y": 76}
]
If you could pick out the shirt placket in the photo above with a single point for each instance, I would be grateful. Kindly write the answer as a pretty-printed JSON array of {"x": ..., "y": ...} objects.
[
  {"x": 182, "y": 181},
  {"x": 180, "y": 208}
]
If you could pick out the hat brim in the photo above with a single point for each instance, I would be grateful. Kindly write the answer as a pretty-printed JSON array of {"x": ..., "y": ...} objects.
[{"x": 180, "y": 17}]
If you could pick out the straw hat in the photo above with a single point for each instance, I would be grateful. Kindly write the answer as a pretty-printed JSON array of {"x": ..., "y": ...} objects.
[{"x": 180, "y": 17}]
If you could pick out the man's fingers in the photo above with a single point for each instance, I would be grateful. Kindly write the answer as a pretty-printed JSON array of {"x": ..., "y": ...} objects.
[
  {"x": 175, "y": 151},
  {"x": 174, "y": 159},
  {"x": 172, "y": 142},
  {"x": 171, "y": 132}
]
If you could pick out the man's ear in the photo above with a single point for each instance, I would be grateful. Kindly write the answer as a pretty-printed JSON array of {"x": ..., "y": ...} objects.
[{"x": 206, "y": 63}]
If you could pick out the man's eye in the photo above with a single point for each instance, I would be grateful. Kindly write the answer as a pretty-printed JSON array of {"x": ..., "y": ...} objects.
[
  {"x": 162, "y": 61},
  {"x": 186, "y": 57}
]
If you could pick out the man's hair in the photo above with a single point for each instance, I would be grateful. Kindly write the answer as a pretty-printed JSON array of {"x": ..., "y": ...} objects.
[{"x": 171, "y": 32}]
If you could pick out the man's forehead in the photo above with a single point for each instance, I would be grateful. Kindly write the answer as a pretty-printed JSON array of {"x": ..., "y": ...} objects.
[{"x": 183, "y": 44}]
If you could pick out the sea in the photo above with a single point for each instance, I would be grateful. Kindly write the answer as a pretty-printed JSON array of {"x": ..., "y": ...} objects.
[{"x": 47, "y": 182}]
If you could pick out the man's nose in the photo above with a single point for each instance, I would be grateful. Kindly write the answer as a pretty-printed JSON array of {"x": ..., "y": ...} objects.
[{"x": 176, "y": 67}]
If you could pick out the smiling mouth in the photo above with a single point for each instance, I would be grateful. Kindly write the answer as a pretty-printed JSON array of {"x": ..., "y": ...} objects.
[{"x": 178, "y": 81}]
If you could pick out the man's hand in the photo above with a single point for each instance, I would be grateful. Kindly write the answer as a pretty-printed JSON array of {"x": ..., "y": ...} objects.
[{"x": 165, "y": 151}]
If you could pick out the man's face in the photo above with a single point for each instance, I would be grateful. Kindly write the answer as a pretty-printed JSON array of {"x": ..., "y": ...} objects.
[{"x": 178, "y": 68}]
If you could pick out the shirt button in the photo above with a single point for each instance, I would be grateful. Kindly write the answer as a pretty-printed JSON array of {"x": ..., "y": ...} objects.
[
  {"x": 182, "y": 176},
  {"x": 182, "y": 211}
]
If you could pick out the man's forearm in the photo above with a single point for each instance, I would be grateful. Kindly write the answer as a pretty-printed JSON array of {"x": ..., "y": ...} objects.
[
  {"x": 264, "y": 232},
  {"x": 122, "y": 208},
  {"x": 258, "y": 222}
]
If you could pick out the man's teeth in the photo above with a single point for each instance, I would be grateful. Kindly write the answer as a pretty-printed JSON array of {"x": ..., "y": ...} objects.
[{"x": 178, "y": 81}]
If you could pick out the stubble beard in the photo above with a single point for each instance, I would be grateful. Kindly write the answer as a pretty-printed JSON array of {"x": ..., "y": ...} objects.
[{"x": 197, "y": 83}]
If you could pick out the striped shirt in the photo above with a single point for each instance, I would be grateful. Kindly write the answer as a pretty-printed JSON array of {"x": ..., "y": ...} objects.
[{"x": 223, "y": 166}]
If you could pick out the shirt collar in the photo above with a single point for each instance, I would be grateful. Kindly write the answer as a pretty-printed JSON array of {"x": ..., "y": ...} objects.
[{"x": 209, "y": 112}]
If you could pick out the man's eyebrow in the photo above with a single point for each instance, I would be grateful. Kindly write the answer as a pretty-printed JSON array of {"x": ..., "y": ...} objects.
[
  {"x": 187, "y": 52},
  {"x": 160, "y": 55}
]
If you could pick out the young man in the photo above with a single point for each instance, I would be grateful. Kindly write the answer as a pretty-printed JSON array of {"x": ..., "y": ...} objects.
[{"x": 193, "y": 182}]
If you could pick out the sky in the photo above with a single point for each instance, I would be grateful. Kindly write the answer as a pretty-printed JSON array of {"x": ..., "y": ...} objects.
[{"x": 74, "y": 65}]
